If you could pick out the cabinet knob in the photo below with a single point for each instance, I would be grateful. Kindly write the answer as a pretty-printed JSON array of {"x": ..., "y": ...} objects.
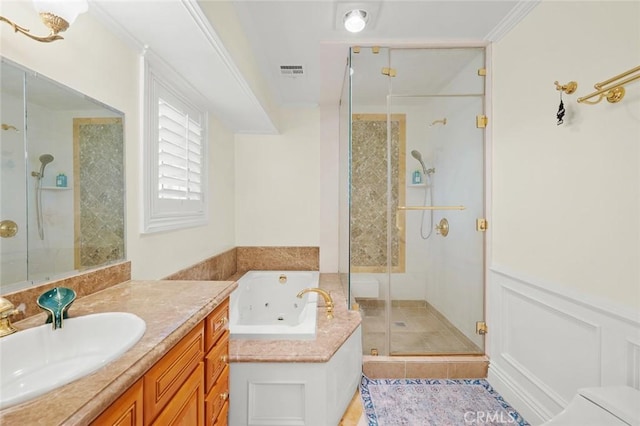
[
  {"x": 222, "y": 322},
  {"x": 224, "y": 396},
  {"x": 224, "y": 359}
]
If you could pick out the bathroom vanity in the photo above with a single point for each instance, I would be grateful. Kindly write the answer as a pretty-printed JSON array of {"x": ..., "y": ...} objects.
[{"x": 178, "y": 370}]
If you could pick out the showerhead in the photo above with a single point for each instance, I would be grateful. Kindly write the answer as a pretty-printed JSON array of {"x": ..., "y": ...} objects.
[
  {"x": 44, "y": 159},
  {"x": 418, "y": 156}
]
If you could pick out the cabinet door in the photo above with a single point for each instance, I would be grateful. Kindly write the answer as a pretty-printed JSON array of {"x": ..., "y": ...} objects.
[
  {"x": 216, "y": 323},
  {"x": 216, "y": 360},
  {"x": 125, "y": 411},
  {"x": 187, "y": 406},
  {"x": 164, "y": 379},
  {"x": 223, "y": 416},
  {"x": 217, "y": 398}
]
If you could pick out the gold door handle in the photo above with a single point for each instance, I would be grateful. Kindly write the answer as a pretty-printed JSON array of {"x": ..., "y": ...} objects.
[{"x": 8, "y": 229}]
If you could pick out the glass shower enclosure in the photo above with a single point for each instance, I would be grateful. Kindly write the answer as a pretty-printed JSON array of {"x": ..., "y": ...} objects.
[{"x": 412, "y": 198}]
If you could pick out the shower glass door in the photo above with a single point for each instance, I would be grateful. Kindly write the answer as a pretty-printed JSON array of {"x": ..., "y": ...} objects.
[
  {"x": 416, "y": 188},
  {"x": 436, "y": 286}
]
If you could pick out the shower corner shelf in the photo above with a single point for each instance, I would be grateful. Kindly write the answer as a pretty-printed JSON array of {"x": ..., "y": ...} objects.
[{"x": 57, "y": 188}]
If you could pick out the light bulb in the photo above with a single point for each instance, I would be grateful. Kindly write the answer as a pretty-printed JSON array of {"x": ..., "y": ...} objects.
[{"x": 355, "y": 20}]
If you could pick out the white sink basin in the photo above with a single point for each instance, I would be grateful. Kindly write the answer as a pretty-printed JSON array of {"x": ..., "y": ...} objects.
[{"x": 40, "y": 359}]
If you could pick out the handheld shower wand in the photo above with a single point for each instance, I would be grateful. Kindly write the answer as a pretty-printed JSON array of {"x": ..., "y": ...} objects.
[
  {"x": 44, "y": 160},
  {"x": 418, "y": 156},
  {"x": 428, "y": 197}
]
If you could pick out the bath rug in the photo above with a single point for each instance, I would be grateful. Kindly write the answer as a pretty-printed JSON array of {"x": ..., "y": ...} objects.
[{"x": 435, "y": 402}]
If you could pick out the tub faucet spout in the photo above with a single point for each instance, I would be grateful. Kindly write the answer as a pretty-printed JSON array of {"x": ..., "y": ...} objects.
[{"x": 328, "y": 301}]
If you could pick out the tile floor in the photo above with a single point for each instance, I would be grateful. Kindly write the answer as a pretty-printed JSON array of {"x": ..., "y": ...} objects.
[{"x": 416, "y": 329}]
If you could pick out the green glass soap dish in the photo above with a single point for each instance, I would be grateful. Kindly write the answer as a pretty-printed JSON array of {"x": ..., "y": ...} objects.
[{"x": 56, "y": 302}]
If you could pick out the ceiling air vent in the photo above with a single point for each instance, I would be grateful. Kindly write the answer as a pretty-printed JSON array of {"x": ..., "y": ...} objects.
[{"x": 291, "y": 70}]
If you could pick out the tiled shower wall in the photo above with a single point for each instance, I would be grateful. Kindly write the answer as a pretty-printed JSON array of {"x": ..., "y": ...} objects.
[
  {"x": 369, "y": 192},
  {"x": 99, "y": 186}
]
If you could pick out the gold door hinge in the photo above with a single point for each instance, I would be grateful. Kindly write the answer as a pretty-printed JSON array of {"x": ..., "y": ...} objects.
[
  {"x": 482, "y": 72},
  {"x": 481, "y": 121},
  {"x": 375, "y": 49},
  {"x": 481, "y": 328},
  {"x": 391, "y": 72},
  {"x": 482, "y": 224},
  {"x": 356, "y": 49}
]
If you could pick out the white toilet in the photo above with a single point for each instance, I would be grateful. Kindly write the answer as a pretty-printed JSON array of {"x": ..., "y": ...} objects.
[{"x": 604, "y": 406}]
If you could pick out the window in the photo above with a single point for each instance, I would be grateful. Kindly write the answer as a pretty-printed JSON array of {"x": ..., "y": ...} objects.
[{"x": 175, "y": 154}]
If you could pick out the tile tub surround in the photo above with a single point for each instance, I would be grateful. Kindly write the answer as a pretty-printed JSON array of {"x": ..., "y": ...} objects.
[
  {"x": 83, "y": 284},
  {"x": 275, "y": 258},
  {"x": 168, "y": 319},
  {"x": 215, "y": 268},
  {"x": 238, "y": 260},
  {"x": 330, "y": 334}
]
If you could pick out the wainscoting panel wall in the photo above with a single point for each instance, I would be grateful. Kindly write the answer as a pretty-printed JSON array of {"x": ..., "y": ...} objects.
[{"x": 545, "y": 343}]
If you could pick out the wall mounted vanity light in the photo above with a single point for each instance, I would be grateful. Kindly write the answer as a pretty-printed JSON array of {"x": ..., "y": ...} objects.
[{"x": 58, "y": 15}]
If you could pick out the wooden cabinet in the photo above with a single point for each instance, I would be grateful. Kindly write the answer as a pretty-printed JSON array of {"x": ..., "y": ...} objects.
[
  {"x": 126, "y": 411},
  {"x": 189, "y": 385},
  {"x": 163, "y": 381},
  {"x": 187, "y": 406},
  {"x": 217, "y": 366}
]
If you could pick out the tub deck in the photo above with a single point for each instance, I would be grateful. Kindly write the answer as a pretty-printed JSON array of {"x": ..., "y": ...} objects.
[{"x": 330, "y": 334}]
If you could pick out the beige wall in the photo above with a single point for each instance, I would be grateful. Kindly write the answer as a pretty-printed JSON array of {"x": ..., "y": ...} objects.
[
  {"x": 566, "y": 198},
  {"x": 95, "y": 62},
  {"x": 278, "y": 183}
]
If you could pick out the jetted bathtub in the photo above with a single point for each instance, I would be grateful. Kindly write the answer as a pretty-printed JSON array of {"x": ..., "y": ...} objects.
[{"x": 265, "y": 306}]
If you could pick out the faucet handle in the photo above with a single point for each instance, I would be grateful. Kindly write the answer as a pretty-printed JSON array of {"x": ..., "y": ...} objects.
[{"x": 6, "y": 310}]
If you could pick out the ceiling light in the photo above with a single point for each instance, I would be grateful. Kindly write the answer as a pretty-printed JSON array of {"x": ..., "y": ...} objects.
[
  {"x": 355, "y": 20},
  {"x": 56, "y": 14}
]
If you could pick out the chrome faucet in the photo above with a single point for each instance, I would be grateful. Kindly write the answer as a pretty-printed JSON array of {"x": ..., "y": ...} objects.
[
  {"x": 328, "y": 301},
  {"x": 6, "y": 310}
]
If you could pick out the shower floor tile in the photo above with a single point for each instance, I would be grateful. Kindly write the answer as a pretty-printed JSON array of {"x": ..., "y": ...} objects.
[{"x": 416, "y": 328}]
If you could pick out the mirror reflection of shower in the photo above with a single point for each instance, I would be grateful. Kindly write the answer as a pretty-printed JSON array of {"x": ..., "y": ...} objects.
[
  {"x": 44, "y": 160},
  {"x": 428, "y": 197}
]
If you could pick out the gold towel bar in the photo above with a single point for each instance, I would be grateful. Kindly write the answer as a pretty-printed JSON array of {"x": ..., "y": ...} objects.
[
  {"x": 431, "y": 208},
  {"x": 613, "y": 93}
]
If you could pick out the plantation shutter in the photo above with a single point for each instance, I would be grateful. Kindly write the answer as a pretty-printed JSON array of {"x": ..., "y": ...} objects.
[
  {"x": 175, "y": 157},
  {"x": 179, "y": 154}
]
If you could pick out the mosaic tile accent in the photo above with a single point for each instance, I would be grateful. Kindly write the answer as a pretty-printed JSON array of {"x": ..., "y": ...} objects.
[
  {"x": 99, "y": 191},
  {"x": 215, "y": 268},
  {"x": 368, "y": 231}
]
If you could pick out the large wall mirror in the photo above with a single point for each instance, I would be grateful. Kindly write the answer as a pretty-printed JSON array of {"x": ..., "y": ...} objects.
[{"x": 61, "y": 180}]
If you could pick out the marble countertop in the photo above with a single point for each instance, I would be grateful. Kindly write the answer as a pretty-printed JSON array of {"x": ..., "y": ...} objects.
[
  {"x": 330, "y": 334},
  {"x": 170, "y": 308}
]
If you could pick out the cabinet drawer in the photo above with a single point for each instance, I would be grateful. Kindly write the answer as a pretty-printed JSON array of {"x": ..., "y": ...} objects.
[
  {"x": 216, "y": 399},
  {"x": 216, "y": 323},
  {"x": 125, "y": 411},
  {"x": 166, "y": 377},
  {"x": 186, "y": 407},
  {"x": 217, "y": 359},
  {"x": 223, "y": 417}
]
